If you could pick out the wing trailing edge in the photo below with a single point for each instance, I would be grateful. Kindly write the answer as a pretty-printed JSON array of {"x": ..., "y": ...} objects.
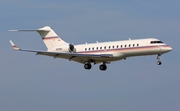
[{"x": 78, "y": 57}]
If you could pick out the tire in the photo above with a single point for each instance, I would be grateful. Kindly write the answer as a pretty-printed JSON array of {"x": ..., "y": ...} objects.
[
  {"x": 102, "y": 67},
  {"x": 87, "y": 66},
  {"x": 159, "y": 62}
]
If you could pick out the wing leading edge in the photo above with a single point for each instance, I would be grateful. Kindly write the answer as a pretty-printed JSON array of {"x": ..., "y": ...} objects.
[{"x": 78, "y": 57}]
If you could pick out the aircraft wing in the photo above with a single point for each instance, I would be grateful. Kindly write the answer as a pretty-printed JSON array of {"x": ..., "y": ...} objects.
[{"x": 78, "y": 57}]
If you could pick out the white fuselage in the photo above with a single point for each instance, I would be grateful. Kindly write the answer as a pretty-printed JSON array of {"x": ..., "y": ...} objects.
[{"x": 123, "y": 49}]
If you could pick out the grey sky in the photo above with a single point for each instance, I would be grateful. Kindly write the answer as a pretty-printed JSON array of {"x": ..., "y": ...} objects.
[{"x": 39, "y": 83}]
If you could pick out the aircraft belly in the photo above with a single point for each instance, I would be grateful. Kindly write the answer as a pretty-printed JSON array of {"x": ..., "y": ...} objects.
[{"x": 95, "y": 59}]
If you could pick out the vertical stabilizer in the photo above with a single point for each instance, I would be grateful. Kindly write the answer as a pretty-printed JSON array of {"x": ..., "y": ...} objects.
[{"x": 50, "y": 38}]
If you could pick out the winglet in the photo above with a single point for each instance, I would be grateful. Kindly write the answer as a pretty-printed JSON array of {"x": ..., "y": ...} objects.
[{"x": 14, "y": 46}]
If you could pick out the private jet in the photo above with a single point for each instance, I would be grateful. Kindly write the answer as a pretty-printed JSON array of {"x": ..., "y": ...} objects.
[{"x": 96, "y": 53}]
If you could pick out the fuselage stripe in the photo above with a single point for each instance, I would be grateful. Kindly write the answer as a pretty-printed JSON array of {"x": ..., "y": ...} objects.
[{"x": 124, "y": 49}]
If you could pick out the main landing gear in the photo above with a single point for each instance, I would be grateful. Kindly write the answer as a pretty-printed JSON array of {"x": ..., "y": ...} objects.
[
  {"x": 88, "y": 66},
  {"x": 103, "y": 67},
  {"x": 159, "y": 59}
]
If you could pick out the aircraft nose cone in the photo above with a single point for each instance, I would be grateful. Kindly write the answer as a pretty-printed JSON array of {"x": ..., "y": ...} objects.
[
  {"x": 170, "y": 49},
  {"x": 167, "y": 49}
]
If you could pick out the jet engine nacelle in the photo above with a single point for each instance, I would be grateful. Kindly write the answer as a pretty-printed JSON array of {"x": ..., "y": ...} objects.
[
  {"x": 66, "y": 48},
  {"x": 72, "y": 49}
]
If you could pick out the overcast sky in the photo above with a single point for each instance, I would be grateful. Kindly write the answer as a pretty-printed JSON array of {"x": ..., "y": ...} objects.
[{"x": 39, "y": 83}]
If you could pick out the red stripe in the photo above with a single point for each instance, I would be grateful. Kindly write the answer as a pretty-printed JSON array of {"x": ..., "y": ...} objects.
[
  {"x": 51, "y": 38},
  {"x": 15, "y": 47}
]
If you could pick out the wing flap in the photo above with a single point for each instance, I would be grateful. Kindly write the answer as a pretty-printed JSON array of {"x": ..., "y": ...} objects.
[
  {"x": 78, "y": 57},
  {"x": 59, "y": 54}
]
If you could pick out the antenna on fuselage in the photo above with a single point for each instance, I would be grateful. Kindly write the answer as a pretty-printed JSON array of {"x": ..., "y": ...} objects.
[
  {"x": 97, "y": 42},
  {"x": 129, "y": 38}
]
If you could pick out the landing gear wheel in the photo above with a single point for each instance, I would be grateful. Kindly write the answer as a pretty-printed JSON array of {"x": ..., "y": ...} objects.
[
  {"x": 87, "y": 66},
  {"x": 103, "y": 67},
  {"x": 159, "y": 62}
]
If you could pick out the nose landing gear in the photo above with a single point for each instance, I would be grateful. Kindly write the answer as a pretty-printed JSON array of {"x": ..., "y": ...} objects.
[{"x": 159, "y": 59}]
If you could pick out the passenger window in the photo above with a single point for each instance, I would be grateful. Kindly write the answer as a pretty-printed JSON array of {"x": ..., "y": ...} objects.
[
  {"x": 109, "y": 47},
  {"x": 85, "y": 49},
  {"x": 93, "y": 48},
  {"x": 129, "y": 45},
  {"x": 104, "y": 47},
  {"x": 117, "y": 46},
  {"x": 133, "y": 45},
  {"x": 113, "y": 47},
  {"x": 89, "y": 48},
  {"x": 100, "y": 47},
  {"x": 121, "y": 46},
  {"x": 137, "y": 44},
  {"x": 125, "y": 46},
  {"x": 97, "y": 48}
]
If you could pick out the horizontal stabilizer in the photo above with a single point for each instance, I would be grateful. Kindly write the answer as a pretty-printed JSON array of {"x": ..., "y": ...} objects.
[
  {"x": 27, "y": 30},
  {"x": 46, "y": 28}
]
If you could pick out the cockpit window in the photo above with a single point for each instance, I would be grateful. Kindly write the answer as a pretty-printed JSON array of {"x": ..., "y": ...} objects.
[{"x": 155, "y": 42}]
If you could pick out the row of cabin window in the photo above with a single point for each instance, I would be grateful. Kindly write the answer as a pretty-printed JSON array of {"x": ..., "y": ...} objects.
[{"x": 97, "y": 48}]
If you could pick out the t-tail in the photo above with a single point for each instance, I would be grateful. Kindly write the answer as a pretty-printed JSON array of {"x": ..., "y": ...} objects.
[{"x": 49, "y": 37}]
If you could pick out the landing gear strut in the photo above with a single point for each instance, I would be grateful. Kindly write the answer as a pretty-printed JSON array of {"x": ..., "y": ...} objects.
[{"x": 159, "y": 59}]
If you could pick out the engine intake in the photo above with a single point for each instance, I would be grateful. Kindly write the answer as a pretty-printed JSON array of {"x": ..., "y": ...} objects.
[{"x": 72, "y": 49}]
